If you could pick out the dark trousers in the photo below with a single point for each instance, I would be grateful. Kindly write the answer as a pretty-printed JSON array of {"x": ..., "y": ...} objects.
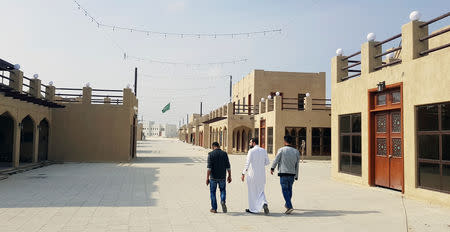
[
  {"x": 213, "y": 187},
  {"x": 286, "y": 187}
]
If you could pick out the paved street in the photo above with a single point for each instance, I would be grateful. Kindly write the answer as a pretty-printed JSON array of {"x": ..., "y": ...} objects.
[{"x": 164, "y": 190}]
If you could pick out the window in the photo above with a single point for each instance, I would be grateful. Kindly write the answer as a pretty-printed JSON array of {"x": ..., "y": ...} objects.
[
  {"x": 270, "y": 140},
  {"x": 321, "y": 141},
  {"x": 433, "y": 146},
  {"x": 256, "y": 132},
  {"x": 301, "y": 101},
  {"x": 350, "y": 144},
  {"x": 298, "y": 135}
]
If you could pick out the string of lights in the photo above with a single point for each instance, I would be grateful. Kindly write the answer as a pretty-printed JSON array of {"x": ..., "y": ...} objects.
[
  {"x": 185, "y": 77},
  {"x": 126, "y": 56},
  {"x": 175, "y": 35}
]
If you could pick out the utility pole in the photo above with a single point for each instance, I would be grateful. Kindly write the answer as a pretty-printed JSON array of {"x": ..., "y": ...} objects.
[
  {"x": 135, "y": 81},
  {"x": 231, "y": 85},
  {"x": 201, "y": 112}
]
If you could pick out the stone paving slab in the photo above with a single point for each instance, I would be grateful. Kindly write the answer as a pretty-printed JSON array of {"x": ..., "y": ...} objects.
[{"x": 164, "y": 190}]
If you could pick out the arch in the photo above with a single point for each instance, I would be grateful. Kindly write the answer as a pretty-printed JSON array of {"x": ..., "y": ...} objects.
[
  {"x": 26, "y": 140},
  {"x": 30, "y": 116},
  {"x": 7, "y": 123},
  {"x": 44, "y": 132}
]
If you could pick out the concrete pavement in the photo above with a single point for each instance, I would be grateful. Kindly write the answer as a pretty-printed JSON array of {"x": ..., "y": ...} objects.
[{"x": 164, "y": 190}]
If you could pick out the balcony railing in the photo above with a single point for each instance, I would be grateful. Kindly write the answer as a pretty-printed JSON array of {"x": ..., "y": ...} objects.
[
  {"x": 302, "y": 105},
  {"x": 75, "y": 95},
  {"x": 242, "y": 109},
  {"x": 430, "y": 50},
  {"x": 354, "y": 63}
]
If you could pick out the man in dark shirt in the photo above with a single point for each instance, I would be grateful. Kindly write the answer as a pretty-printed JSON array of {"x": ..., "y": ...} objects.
[{"x": 218, "y": 165}]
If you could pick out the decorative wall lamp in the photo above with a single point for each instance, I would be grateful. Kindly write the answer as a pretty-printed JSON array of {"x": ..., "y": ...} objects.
[{"x": 381, "y": 86}]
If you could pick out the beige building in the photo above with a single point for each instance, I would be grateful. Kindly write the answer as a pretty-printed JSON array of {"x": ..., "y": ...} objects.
[
  {"x": 44, "y": 123},
  {"x": 268, "y": 105},
  {"x": 391, "y": 120}
]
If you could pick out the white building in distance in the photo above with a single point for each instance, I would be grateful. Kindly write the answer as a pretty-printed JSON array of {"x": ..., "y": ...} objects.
[{"x": 162, "y": 130}]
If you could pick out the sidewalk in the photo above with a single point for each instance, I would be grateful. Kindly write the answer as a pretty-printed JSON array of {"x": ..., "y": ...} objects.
[{"x": 164, "y": 190}]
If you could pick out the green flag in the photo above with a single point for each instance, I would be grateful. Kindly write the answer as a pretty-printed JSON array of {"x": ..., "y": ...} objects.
[{"x": 166, "y": 108}]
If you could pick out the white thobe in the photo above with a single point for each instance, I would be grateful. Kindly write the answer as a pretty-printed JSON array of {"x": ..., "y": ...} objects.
[{"x": 257, "y": 159}]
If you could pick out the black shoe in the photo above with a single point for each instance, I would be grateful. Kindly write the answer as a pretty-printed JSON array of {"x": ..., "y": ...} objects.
[
  {"x": 224, "y": 207},
  {"x": 266, "y": 209},
  {"x": 248, "y": 211}
]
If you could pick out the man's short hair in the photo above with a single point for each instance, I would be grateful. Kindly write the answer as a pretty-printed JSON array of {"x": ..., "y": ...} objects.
[
  {"x": 288, "y": 139},
  {"x": 255, "y": 140},
  {"x": 215, "y": 144}
]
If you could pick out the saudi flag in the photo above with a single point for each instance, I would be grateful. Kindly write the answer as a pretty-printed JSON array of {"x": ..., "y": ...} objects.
[{"x": 166, "y": 108}]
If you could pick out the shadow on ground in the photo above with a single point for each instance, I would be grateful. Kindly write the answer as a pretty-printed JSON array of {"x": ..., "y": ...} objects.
[
  {"x": 81, "y": 185},
  {"x": 306, "y": 213},
  {"x": 170, "y": 159}
]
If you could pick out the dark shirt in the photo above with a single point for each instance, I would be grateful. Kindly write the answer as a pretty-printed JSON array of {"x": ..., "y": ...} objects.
[{"x": 218, "y": 163}]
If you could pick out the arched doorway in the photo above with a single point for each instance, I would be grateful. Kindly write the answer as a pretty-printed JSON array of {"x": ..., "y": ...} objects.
[
  {"x": 238, "y": 138},
  {"x": 26, "y": 140},
  {"x": 225, "y": 138},
  {"x": 243, "y": 140},
  {"x": 6, "y": 140},
  {"x": 43, "y": 140},
  {"x": 221, "y": 137}
]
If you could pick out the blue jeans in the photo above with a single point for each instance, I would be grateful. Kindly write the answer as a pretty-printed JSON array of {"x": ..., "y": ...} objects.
[
  {"x": 213, "y": 187},
  {"x": 286, "y": 187}
]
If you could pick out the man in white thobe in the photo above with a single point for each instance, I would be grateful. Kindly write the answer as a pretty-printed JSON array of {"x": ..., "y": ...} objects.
[{"x": 257, "y": 159}]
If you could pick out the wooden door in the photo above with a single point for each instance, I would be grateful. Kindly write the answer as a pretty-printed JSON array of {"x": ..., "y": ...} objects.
[
  {"x": 395, "y": 148},
  {"x": 381, "y": 149},
  {"x": 262, "y": 134},
  {"x": 388, "y": 149}
]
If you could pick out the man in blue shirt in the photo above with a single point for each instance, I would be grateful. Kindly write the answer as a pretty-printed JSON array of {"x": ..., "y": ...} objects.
[{"x": 218, "y": 165}]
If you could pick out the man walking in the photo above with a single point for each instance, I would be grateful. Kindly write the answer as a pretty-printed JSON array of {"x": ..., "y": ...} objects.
[
  {"x": 287, "y": 161},
  {"x": 218, "y": 165},
  {"x": 257, "y": 159}
]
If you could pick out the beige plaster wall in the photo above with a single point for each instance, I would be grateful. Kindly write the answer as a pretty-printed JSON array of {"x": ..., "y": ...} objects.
[
  {"x": 425, "y": 81},
  {"x": 94, "y": 133}
]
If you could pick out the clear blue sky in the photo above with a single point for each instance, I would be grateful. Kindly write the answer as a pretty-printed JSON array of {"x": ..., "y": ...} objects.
[{"x": 53, "y": 38}]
